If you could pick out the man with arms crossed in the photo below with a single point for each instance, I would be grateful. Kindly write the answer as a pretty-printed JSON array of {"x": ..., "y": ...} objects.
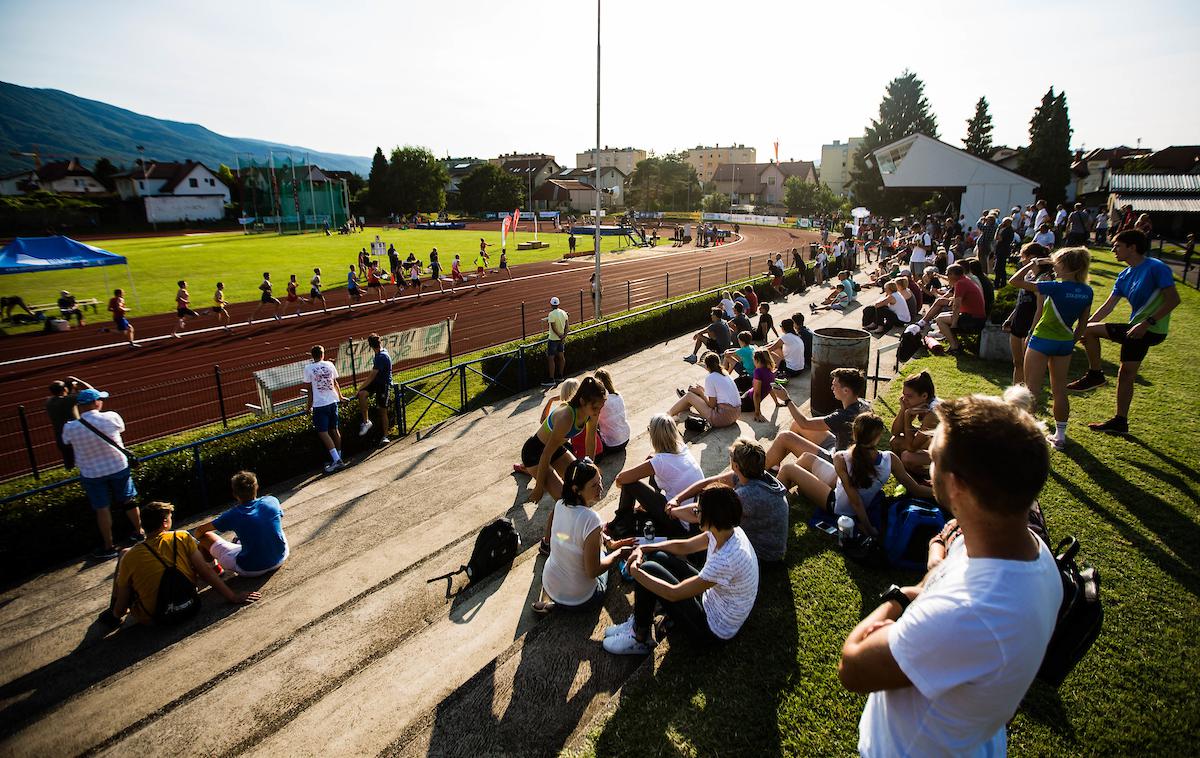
[
  {"x": 323, "y": 399},
  {"x": 1149, "y": 286},
  {"x": 947, "y": 662}
]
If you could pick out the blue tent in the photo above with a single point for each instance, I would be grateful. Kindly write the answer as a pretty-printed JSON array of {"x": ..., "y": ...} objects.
[{"x": 27, "y": 254}]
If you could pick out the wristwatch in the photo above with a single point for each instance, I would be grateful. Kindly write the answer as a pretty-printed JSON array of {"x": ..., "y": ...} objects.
[{"x": 897, "y": 594}]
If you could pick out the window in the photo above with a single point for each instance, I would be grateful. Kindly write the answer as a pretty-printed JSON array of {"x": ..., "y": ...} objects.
[
  {"x": 211, "y": 182},
  {"x": 771, "y": 180},
  {"x": 141, "y": 185},
  {"x": 193, "y": 183}
]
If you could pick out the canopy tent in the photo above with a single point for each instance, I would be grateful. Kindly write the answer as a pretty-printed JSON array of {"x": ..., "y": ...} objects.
[{"x": 26, "y": 255}]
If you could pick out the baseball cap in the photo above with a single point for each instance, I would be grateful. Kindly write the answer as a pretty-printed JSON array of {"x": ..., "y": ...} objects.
[
  {"x": 554, "y": 301},
  {"x": 87, "y": 397}
]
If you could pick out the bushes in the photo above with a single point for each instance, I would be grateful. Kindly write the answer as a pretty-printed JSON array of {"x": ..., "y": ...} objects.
[{"x": 1005, "y": 301}]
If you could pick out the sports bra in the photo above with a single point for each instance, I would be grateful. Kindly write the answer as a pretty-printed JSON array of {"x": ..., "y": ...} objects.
[{"x": 575, "y": 429}]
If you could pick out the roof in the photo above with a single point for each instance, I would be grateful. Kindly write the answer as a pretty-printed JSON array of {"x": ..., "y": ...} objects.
[
  {"x": 904, "y": 144},
  {"x": 560, "y": 189},
  {"x": 1176, "y": 158},
  {"x": 523, "y": 166},
  {"x": 1143, "y": 203},
  {"x": 52, "y": 172},
  {"x": 52, "y": 254},
  {"x": 1188, "y": 184}
]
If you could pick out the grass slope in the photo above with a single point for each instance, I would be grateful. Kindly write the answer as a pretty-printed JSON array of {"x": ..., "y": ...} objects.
[
  {"x": 157, "y": 263},
  {"x": 1132, "y": 501}
]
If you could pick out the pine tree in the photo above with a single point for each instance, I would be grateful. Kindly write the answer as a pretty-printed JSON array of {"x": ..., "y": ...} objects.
[
  {"x": 377, "y": 183},
  {"x": 979, "y": 131},
  {"x": 1048, "y": 159},
  {"x": 903, "y": 111}
]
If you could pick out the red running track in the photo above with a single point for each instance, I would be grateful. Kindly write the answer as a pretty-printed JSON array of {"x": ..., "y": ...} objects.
[{"x": 168, "y": 385}]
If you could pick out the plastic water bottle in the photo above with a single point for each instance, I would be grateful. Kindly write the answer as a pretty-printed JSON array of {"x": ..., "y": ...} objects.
[
  {"x": 648, "y": 532},
  {"x": 845, "y": 530}
]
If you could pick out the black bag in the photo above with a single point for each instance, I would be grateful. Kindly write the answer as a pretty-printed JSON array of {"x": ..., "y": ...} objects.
[
  {"x": 909, "y": 345},
  {"x": 496, "y": 546},
  {"x": 1079, "y": 618},
  {"x": 177, "y": 598},
  {"x": 696, "y": 424},
  {"x": 869, "y": 316}
]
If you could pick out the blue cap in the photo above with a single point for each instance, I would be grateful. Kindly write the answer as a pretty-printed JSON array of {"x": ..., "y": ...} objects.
[{"x": 87, "y": 397}]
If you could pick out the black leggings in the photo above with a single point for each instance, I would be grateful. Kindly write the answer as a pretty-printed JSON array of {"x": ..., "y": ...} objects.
[
  {"x": 654, "y": 504},
  {"x": 887, "y": 319},
  {"x": 687, "y": 614}
]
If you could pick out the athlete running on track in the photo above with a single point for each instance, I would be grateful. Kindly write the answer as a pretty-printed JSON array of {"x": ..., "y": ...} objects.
[
  {"x": 220, "y": 305},
  {"x": 266, "y": 297},
  {"x": 292, "y": 295},
  {"x": 182, "y": 311},
  {"x": 314, "y": 290},
  {"x": 116, "y": 304}
]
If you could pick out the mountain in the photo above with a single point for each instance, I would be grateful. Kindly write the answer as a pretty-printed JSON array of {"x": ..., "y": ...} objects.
[{"x": 61, "y": 125}]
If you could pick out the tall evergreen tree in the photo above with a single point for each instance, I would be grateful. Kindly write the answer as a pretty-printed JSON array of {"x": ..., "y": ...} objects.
[
  {"x": 377, "y": 182},
  {"x": 1048, "y": 159},
  {"x": 903, "y": 111},
  {"x": 979, "y": 131}
]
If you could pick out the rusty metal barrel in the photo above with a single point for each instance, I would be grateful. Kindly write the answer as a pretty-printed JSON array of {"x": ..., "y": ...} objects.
[{"x": 835, "y": 347}]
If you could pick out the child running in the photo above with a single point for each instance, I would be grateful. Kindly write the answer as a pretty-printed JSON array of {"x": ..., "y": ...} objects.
[
  {"x": 116, "y": 304},
  {"x": 504, "y": 263},
  {"x": 220, "y": 305},
  {"x": 435, "y": 269},
  {"x": 483, "y": 246},
  {"x": 480, "y": 272},
  {"x": 352, "y": 288},
  {"x": 182, "y": 300},
  {"x": 292, "y": 295},
  {"x": 314, "y": 290},
  {"x": 266, "y": 297},
  {"x": 456, "y": 276},
  {"x": 1066, "y": 306},
  {"x": 414, "y": 275}
]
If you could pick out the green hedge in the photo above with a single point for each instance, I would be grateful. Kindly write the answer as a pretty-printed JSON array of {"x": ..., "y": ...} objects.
[{"x": 58, "y": 525}]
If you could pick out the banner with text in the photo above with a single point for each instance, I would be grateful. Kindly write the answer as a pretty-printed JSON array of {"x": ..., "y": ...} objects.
[{"x": 421, "y": 342}]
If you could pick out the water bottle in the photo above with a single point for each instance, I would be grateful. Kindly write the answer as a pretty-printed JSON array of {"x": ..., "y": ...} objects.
[
  {"x": 648, "y": 532},
  {"x": 845, "y": 530}
]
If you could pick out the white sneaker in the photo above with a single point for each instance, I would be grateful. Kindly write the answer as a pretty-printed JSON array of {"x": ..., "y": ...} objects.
[
  {"x": 384, "y": 440},
  {"x": 627, "y": 644},
  {"x": 332, "y": 466},
  {"x": 365, "y": 427},
  {"x": 626, "y": 627}
]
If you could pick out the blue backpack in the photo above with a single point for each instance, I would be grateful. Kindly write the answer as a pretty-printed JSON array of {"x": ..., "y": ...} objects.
[{"x": 911, "y": 523}]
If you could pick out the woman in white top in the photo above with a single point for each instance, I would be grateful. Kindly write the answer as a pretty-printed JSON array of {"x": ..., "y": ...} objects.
[
  {"x": 718, "y": 402},
  {"x": 576, "y": 573},
  {"x": 671, "y": 469},
  {"x": 891, "y": 309},
  {"x": 708, "y": 605},
  {"x": 727, "y": 305},
  {"x": 613, "y": 424},
  {"x": 850, "y": 484}
]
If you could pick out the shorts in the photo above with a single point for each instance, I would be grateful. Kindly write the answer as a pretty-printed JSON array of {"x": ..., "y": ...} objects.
[
  {"x": 115, "y": 489},
  {"x": 182, "y": 312},
  {"x": 266, "y": 298},
  {"x": 121, "y": 323},
  {"x": 556, "y": 347},
  {"x": 218, "y": 309},
  {"x": 374, "y": 285},
  {"x": 531, "y": 452},
  {"x": 1022, "y": 321},
  {"x": 435, "y": 273},
  {"x": 1053, "y": 348},
  {"x": 788, "y": 371},
  {"x": 503, "y": 264},
  {"x": 1133, "y": 351},
  {"x": 226, "y": 553},
  {"x": 969, "y": 323},
  {"x": 325, "y": 417},
  {"x": 315, "y": 294}
]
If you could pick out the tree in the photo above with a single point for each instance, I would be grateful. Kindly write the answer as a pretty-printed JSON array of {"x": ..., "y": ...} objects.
[
  {"x": 979, "y": 131},
  {"x": 104, "y": 170},
  {"x": 715, "y": 202},
  {"x": 659, "y": 183},
  {"x": 376, "y": 181},
  {"x": 225, "y": 174},
  {"x": 490, "y": 188},
  {"x": 415, "y": 181},
  {"x": 1048, "y": 159},
  {"x": 903, "y": 111},
  {"x": 807, "y": 199}
]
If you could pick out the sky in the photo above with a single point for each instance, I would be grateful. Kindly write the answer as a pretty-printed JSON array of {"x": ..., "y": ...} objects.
[{"x": 475, "y": 78}]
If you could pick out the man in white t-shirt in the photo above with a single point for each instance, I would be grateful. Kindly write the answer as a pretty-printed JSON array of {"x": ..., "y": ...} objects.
[
  {"x": 1042, "y": 214},
  {"x": 948, "y": 661},
  {"x": 323, "y": 398}
]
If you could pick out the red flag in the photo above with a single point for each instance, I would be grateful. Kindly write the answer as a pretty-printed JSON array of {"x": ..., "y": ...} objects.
[
  {"x": 777, "y": 150},
  {"x": 516, "y": 218}
]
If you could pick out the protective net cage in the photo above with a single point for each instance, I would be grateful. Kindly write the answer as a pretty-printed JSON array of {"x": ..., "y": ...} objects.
[{"x": 286, "y": 195}]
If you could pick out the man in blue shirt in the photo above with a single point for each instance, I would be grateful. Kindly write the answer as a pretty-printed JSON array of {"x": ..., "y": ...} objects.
[
  {"x": 258, "y": 523},
  {"x": 379, "y": 384},
  {"x": 1149, "y": 286}
]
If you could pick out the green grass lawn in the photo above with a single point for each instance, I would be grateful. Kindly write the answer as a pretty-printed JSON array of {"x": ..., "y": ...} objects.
[
  {"x": 157, "y": 263},
  {"x": 1132, "y": 501}
]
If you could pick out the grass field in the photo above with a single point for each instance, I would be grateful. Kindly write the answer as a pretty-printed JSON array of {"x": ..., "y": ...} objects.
[
  {"x": 157, "y": 263},
  {"x": 1132, "y": 501}
]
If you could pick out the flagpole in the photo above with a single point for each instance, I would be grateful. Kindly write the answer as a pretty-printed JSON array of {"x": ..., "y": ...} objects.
[{"x": 596, "y": 163}]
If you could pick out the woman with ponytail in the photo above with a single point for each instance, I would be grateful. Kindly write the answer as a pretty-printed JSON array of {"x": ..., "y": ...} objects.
[
  {"x": 718, "y": 402},
  {"x": 857, "y": 475},
  {"x": 576, "y": 573},
  {"x": 547, "y": 453}
]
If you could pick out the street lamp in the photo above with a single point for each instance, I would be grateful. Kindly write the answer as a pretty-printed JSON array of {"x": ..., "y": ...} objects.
[{"x": 596, "y": 163}]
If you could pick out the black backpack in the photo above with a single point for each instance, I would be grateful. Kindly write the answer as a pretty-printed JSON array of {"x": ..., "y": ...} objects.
[
  {"x": 1079, "y": 618},
  {"x": 909, "y": 345},
  {"x": 177, "y": 598},
  {"x": 496, "y": 546}
]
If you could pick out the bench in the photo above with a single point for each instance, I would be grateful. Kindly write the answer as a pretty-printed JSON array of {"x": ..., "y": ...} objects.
[
  {"x": 87, "y": 302},
  {"x": 268, "y": 381}
]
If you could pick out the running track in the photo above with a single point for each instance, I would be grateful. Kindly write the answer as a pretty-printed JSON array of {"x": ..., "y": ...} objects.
[{"x": 168, "y": 385}]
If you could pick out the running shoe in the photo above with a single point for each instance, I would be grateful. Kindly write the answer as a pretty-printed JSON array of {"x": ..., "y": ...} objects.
[
  {"x": 383, "y": 441},
  {"x": 1089, "y": 381},
  {"x": 548, "y": 383},
  {"x": 104, "y": 554},
  {"x": 1115, "y": 425},
  {"x": 625, "y": 627},
  {"x": 364, "y": 427},
  {"x": 690, "y": 358},
  {"x": 627, "y": 644}
]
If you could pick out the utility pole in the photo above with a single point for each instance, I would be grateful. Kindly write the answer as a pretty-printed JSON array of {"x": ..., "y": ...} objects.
[{"x": 596, "y": 164}]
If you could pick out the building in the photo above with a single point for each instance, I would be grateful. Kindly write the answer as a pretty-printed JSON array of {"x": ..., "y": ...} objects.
[
  {"x": 567, "y": 194},
  {"x": 921, "y": 162},
  {"x": 836, "y": 160},
  {"x": 760, "y": 184},
  {"x": 458, "y": 169},
  {"x": 622, "y": 158},
  {"x": 1172, "y": 200},
  {"x": 64, "y": 177},
  {"x": 1092, "y": 170},
  {"x": 1007, "y": 157},
  {"x": 612, "y": 180},
  {"x": 706, "y": 159},
  {"x": 186, "y": 191},
  {"x": 534, "y": 171}
]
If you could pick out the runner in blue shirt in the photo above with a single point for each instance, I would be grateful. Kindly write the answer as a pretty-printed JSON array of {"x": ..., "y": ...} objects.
[{"x": 1149, "y": 286}]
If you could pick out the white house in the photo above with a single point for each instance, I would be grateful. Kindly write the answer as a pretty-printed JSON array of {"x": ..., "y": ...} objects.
[
  {"x": 64, "y": 177},
  {"x": 186, "y": 191},
  {"x": 921, "y": 162}
]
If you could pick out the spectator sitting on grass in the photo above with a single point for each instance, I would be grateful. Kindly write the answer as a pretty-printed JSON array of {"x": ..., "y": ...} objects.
[
  {"x": 763, "y": 498},
  {"x": 912, "y": 429},
  {"x": 576, "y": 573},
  {"x": 850, "y": 485},
  {"x": 670, "y": 469},
  {"x": 717, "y": 401},
  {"x": 141, "y": 568},
  {"x": 740, "y": 360},
  {"x": 822, "y": 434},
  {"x": 710, "y": 604},
  {"x": 258, "y": 523},
  {"x": 715, "y": 337},
  {"x": 948, "y": 661}
]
